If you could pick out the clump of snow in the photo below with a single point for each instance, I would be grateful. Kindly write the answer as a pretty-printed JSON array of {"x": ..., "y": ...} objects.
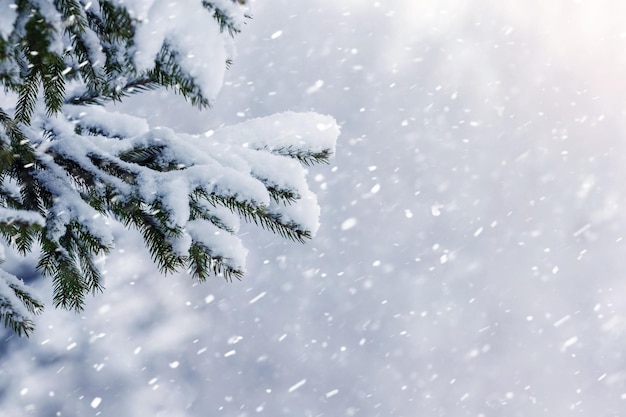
[
  {"x": 305, "y": 212},
  {"x": 111, "y": 124},
  {"x": 200, "y": 47},
  {"x": 222, "y": 244},
  {"x": 69, "y": 206},
  {"x": 8, "y": 216},
  {"x": 312, "y": 132}
]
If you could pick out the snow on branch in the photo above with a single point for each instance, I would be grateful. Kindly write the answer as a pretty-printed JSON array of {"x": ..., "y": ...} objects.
[
  {"x": 184, "y": 193},
  {"x": 68, "y": 166},
  {"x": 308, "y": 137},
  {"x": 18, "y": 304}
]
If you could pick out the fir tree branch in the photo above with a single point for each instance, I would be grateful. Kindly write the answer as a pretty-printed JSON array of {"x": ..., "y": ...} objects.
[
  {"x": 20, "y": 166},
  {"x": 116, "y": 23},
  {"x": 20, "y": 235},
  {"x": 168, "y": 73},
  {"x": 53, "y": 84},
  {"x": 115, "y": 29},
  {"x": 12, "y": 319},
  {"x": 69, "y": 260},
  {"x": 11, "y": 128},
  {"x": 32, "y": 304},
  {"x": 151, "y": 221},
  {"x": 96, "y": 97},
  {"x": 224, "y": 20},
  {"x": 87, "y": 247},
  {"x": 149, "y": 157},
  {"x": 44, "y": 66},
  {"x": 17, "y": 304},
  {"x": 284, "y": 196},
  {"x": 113, "y": 168},
  {"x": 261, "y": 216},
  {"x": 305, "y": 157},
  {"x": 9, "y": 197},
  {"x": 27, "y": 98},
  {"x": 68, "y": 284},
  {"x": 199, "y": 211},
  {"x": 201, "y": 264},
  {"x": 19, "y": 324}
]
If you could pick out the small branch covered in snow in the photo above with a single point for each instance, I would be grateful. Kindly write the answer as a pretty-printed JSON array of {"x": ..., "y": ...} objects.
[{"x": 18, "y": 304}]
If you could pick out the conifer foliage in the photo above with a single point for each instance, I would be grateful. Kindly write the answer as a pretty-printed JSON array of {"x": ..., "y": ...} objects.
[{"x": 69, "y": 164}]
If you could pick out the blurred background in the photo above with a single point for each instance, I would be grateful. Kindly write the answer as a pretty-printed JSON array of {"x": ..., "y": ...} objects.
[{"x": 471, "y": 256}]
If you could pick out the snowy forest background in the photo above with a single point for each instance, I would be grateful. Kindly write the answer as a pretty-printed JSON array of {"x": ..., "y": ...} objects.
[{"x": 470, "y": 259}]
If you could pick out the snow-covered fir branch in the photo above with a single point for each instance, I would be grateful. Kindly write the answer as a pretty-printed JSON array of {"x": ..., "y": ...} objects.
[{"x": 68, "y": 165}]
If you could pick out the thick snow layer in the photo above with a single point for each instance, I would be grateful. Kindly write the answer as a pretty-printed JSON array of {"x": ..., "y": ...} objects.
[
  {"x": 21, "y": 216},
  {"x": 68, "y": 207},
  {"x": 306, "y": 131},
  {"x": 108, "y": 123},
  {"x": 305, "y": 212},
  {"x": 221, "y": 243},
  {"x": 187, "y": 28}
]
